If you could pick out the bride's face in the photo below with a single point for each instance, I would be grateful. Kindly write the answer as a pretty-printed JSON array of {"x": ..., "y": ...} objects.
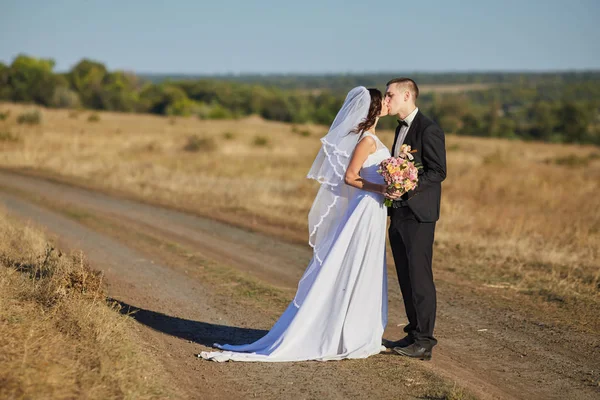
[{"x": 384, "y": 108}]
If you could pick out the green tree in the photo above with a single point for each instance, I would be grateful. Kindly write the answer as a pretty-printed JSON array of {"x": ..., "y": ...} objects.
[
  {"x": 5, "y": 89},
  {"x": 326, "y": 106},
  {"x": 574, "y": 122},
  {"x": 119, "y": 92},
  {"x": 87, "y": 78},
  {"x": 542, "y": 117},
  {"x": 471, "y": 125},
  {"x": 157, "y": 99},
  {"x": 65, "y": 98},
  {"x": 219, "y": 112},
  {"x": 448, "y": 111},
  {"x": 257, "y": 99},
  {"x": 491, "y": 120},
  {"x": 507, "y": 128},
  {"x": 276, "y": 108},
  {"x": 32, "y": 80}
]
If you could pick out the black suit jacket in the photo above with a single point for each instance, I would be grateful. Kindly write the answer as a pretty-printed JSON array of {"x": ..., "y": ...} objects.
[{"x": 428, "y": 139}]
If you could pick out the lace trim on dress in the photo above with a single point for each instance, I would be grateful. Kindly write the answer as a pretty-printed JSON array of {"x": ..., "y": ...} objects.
[
  {"x": 336, "y": 160},
  {"x": 330, "y": 151},
  {"x": 333, "y": 157}
]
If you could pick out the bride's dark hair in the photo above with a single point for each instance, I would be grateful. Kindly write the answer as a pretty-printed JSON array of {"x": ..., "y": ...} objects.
[{"x": 374, "y": 111}]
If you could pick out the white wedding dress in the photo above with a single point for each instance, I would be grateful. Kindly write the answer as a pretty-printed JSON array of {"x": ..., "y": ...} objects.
[{"x": 343, "y": 312}]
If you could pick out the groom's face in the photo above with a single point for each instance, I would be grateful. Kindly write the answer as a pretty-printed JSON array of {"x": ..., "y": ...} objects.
[{"x": 394, "y": 97}]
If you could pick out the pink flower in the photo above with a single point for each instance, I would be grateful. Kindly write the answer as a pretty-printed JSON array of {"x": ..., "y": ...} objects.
[{"x": 399, "y": 172}]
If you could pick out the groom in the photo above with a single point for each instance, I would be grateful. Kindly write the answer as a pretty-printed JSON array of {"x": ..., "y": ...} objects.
[{"x": 413, "y": 217}]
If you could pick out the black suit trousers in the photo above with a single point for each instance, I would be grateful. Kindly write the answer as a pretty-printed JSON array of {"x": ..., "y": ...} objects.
[{"x": 412, "y": 247}]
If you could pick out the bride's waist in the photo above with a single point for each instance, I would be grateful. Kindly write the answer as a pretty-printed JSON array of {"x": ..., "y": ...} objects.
[{"x": 360, "y": 194}]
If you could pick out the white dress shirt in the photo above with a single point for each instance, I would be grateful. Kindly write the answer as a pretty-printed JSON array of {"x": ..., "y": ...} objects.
[{"x": 404, "y": 130}]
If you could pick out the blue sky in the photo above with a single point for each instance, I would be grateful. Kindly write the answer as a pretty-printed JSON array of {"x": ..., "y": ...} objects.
[{"x": 236, "y": 36}]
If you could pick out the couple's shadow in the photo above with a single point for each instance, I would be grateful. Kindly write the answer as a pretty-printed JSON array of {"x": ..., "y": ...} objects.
[{"x": 198, "y": 332}]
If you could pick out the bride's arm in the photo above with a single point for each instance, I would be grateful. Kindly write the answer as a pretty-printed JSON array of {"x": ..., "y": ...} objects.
[{"x": 363, "y": 149}]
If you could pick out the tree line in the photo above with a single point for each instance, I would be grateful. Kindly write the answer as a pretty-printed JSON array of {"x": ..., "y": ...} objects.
[
  {"x": 557, "y": 107},
  {"x": 341, "y": 82}
]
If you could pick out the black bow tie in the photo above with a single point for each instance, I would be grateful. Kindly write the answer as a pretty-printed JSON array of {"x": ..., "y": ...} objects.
[{"x": 402, "y": 122}]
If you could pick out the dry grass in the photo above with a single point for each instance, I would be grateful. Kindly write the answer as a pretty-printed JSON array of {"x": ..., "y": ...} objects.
[
  {"x": 514, "y": 215},
  {"x": 58, "y": 337}
]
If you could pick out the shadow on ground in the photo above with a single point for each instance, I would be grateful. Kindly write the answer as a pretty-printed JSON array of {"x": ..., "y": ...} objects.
[{"x": 199, "y": 332}]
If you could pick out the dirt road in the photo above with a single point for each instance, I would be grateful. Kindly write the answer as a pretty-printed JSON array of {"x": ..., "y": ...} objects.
[{"x": 194, "y": 281}]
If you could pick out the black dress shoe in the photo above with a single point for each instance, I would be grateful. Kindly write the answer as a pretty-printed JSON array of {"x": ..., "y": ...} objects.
[
  {"x": 406, "y": 341},
  {"x": 414, "y": 351}
]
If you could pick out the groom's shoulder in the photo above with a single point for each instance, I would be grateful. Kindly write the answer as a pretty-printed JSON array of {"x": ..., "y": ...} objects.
[{"x": 427, "y": 122}]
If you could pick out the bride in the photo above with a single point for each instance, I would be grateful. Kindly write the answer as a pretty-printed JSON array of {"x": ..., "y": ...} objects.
[{"x": 340, "y": 308}]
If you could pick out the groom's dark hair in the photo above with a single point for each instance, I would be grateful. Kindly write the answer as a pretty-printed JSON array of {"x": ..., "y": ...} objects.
[{"x": 412, "y": 85}]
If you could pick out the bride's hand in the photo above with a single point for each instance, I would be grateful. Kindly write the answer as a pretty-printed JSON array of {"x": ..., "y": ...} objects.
[
  {"x": 385, "y": 191},
  {"x": 393, "y": 194}
]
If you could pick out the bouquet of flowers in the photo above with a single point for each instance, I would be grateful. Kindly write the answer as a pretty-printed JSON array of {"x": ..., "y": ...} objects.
[{"x": 400, "y": 173}]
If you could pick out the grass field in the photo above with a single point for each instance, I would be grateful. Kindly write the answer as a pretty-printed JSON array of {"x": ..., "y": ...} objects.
[
  {"x": 59, "y": 338},
  {"x": 516, "y": 216}
]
